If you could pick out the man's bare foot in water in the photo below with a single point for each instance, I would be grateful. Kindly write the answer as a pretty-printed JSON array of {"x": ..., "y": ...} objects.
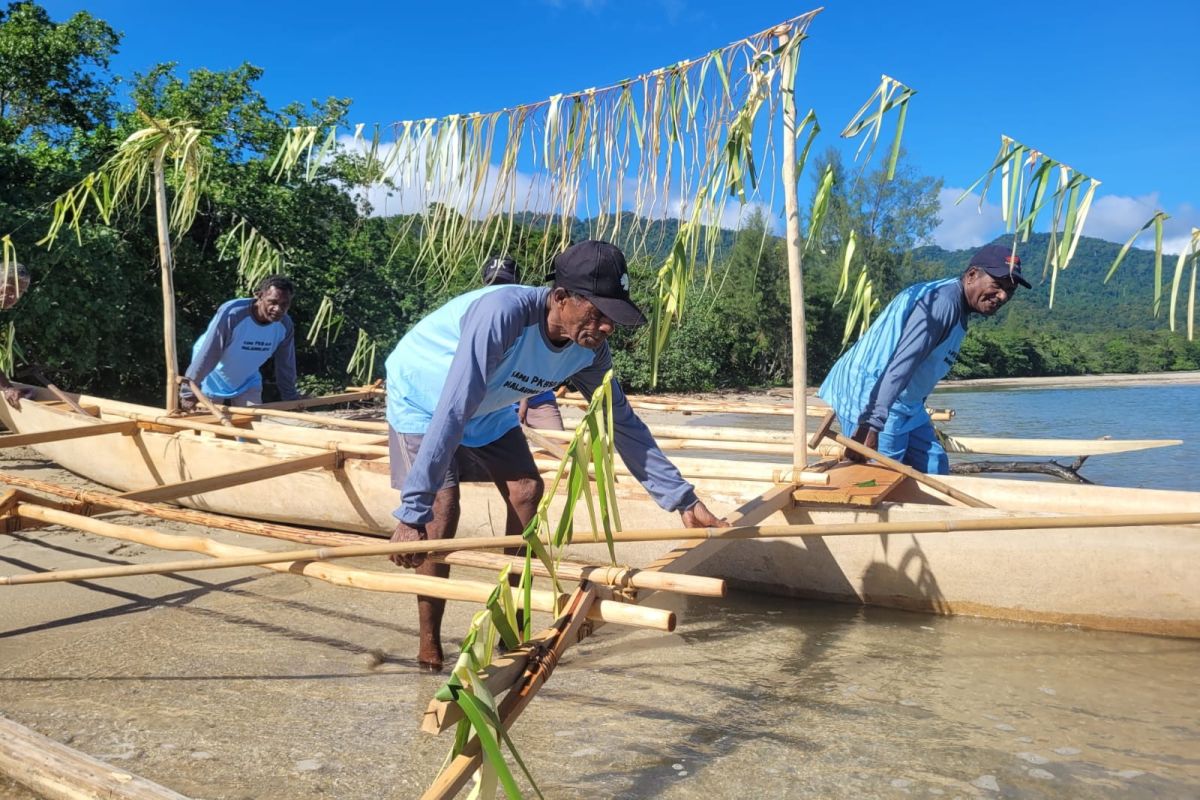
[{"x": 430, "y": 657}]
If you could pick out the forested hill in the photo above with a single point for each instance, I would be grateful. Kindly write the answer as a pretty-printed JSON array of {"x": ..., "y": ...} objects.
[{"x": 1083, "y": 303}]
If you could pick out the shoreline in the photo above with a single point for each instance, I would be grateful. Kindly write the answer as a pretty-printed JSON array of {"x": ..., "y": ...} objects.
[
  {"x": 1188, "y": 378},
  {"x": 782, "y": 395}
]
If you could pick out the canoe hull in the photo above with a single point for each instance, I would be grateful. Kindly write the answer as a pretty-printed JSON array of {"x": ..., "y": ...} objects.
[{"x": 1143, "y": 580}]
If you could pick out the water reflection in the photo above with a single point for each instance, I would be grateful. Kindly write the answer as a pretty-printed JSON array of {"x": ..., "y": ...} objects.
[{"x": 764, "y": 697}]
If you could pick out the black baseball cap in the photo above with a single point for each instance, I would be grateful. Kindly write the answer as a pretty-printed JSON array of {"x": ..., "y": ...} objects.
[
  {"x": 499, "y": 270},
  {"x": 999, "y": 262},
  {"x": 597, "y": 270}
]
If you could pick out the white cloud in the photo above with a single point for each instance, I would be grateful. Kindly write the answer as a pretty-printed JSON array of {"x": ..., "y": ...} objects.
[
  {"x": 1116, "y": 217},
  {"x": 965, "y": 225}
]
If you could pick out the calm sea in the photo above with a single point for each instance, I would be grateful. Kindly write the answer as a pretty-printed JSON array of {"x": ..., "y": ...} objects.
[{"x": 1122, "y": 412}]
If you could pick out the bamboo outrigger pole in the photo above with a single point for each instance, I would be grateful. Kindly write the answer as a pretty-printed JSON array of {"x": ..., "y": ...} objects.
[
  {"x": 787, "y": 90},
  {"x": 310, "y": 563}
]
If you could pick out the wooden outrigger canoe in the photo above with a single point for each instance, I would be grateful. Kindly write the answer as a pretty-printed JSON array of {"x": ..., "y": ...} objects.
[{"x": 1138, "y": 579}]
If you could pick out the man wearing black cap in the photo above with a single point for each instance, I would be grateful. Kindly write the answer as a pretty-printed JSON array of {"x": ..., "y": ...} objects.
[
  {"x": 451, "y": 384},
  {"x": 879, "y": 387}
]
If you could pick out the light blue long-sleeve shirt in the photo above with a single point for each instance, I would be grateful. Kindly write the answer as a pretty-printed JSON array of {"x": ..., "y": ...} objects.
[
  {"x": 227, "y": 357},
  {"x": 885, "y": 378},
  {"x": 454, "y": 378}
]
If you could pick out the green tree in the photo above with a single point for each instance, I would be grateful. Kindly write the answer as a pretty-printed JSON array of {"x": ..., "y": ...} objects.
[{"x": 53, "y": 75}]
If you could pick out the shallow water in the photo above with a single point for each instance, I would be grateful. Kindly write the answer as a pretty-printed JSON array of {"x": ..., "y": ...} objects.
[
  {"x": 1122, "y": 412},
  {"x": 759, "y": 698}
]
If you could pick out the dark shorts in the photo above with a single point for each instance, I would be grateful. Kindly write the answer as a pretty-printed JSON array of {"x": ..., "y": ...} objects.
[{"x": 506, "y": 459}]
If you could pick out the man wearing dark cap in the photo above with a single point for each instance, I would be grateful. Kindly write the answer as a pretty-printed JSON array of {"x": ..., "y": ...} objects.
[
  {"x": 451, "y": 385},
  {"x": 499, "y": 270},
  {"x": 879, "y": 387}
]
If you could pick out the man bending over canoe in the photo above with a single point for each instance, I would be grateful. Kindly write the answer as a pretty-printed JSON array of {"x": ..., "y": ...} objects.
[
  {"x": 451, "y": 384},
  {"x": 242, "y": 335},
  {"x": 879, "y": 387}
]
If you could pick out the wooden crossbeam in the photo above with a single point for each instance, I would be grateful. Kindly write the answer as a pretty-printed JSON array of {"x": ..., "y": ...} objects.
[
  {"x": 172, "y": 491},
  {"x": 62, "y": 434}
]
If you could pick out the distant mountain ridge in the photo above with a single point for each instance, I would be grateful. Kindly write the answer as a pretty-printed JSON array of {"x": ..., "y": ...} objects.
[{"x": 1082, "y": 301}]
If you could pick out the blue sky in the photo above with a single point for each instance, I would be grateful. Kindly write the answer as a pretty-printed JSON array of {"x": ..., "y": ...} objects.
[{"x": 1112, "y": 89}]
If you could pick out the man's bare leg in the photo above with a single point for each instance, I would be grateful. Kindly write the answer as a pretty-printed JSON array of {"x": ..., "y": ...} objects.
[
  {"x": 444, "y": 524},
  {"x": 521, "y": 498}
]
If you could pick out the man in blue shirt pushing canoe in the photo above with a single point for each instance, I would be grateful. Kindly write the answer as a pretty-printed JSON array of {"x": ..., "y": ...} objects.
[
  {"x": 239, "y": 339},
  {"x": 879, "y": 387},
  {"x": 452, "y": 382}
]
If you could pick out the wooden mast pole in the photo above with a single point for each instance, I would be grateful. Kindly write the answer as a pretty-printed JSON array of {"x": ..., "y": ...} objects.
[
  {"x": 168, "y": 281},
  {"x": 787, "y": 90}
]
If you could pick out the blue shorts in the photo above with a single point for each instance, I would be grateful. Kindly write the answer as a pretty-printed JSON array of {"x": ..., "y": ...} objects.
[{"x": 918, "y": 448}]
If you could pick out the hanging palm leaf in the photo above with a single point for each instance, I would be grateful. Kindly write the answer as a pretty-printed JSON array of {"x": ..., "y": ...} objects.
[
  {"x": 890, "y": 94},
  {"x": 675, "y": 143},
  {"x": 1157, "y": 221},
  {"x": 1025, "y": 176},
  {"x": 362, "y": 361},
  {"x": 257, "y": 256}
]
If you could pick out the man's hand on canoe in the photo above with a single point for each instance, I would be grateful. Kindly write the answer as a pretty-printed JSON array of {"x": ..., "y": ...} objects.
[
  {"x": 865, "y": 435},
  {"x": 698, "y": 516},
  {"x": 407, "y": 533},
  {"x": 13, "y": 396}
]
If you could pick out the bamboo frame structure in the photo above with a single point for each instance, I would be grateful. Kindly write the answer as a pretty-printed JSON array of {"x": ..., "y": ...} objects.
[
  {"x": 63, "y": 434},
  {"x": 549, "y": 647},
  {"x": 303, "y": 562}
]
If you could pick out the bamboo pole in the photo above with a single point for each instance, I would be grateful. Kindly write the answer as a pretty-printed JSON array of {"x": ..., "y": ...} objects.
[
  {"x": 62, "y": 396},
  {"x": 371, "y": 426},
  {"x": 95, "y": 502},
  {"x": 53, "y": 770},
  {"x": 567, "y": 631},
  {"x": 622, "y": 577},
  {"x": 324, "y": 400},
  {"x": 695, "y": 407},
  {"x": 168, "y": 281},
  {"x": 63, "y": 434},
  {"x": 281, "y": 437},
  {"x": 679, "y": 437},
  {"x": 212, "y": 483},
  {"x": 691, "y": 553},
  {"x": 302, "y": 562},
  {"x": 787, "y": 91},
  {"x": 600, "y": 574},
  {"x": 233, "y": 556},
  {"x": 716, "y": 469}
]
